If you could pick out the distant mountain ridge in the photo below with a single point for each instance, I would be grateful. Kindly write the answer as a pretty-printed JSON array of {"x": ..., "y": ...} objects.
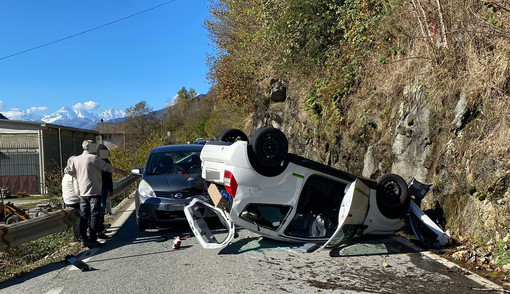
[
  {"x": 76, "y": 118},
  {"x": 79, "y": 118},
  {"x": 84, "y": 119}
]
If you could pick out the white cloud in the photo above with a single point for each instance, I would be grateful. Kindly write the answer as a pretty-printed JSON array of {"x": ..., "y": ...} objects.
[
  {"x": 14, "y": 114},
  {"x": 2, "y": 105},
  {"x": 171, "y": 101},
  {"x": 36, "y": 109},
  {"x": 27, "y": 115},
  {"x": 89, "y": 105}
]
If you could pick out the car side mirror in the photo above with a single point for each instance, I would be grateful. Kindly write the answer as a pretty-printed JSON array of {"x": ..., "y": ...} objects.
[{"x": 137, "y": 171}]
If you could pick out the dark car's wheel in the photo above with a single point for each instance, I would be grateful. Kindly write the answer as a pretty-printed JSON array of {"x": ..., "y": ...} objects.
[
  {"x": 392, "y": 195},
  {"x": 142, "y": 225},
  {"x": 232, "y": 135}
]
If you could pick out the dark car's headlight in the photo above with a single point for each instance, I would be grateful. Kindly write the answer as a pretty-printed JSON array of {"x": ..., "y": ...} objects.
[{"x": 145, "y": 190}]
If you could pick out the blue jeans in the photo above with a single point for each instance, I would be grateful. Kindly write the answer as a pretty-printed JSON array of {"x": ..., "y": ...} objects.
[{"x": 89, "y": 209}]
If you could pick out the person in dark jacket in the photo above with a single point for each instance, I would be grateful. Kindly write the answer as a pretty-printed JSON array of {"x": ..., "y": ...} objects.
[{"x": 106, "y": 190}]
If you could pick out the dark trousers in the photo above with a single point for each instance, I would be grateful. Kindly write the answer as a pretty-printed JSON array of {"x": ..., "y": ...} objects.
[
  {"x": 89, "y": 209},
  {"x": 104, "y": 197}
]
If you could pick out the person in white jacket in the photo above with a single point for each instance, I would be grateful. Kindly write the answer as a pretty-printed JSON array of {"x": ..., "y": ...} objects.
[{"x": 71, "y": 195}]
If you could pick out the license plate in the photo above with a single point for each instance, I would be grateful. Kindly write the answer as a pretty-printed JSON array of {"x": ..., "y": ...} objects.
[
  {"x": 174, "y": 207},
  {"x": 212, "y": 175}
]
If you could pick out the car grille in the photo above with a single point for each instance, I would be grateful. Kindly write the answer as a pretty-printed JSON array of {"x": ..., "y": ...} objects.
[{"x": 178, "y": 194}]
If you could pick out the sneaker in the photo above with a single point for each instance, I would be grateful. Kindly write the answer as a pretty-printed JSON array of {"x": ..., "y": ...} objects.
[{"x": 95, "y": 244}]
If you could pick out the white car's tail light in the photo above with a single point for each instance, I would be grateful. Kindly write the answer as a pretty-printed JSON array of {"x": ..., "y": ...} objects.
[{"x": 230, "y": 183}]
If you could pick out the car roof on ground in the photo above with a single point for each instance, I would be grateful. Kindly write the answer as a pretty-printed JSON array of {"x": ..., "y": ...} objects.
[{"x": 183, "y": 147}]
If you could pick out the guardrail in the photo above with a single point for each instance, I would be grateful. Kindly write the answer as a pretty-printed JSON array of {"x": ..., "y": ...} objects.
[{"x": 32, "y": 229}]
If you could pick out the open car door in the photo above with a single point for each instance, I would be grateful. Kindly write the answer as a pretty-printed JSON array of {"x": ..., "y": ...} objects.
[
  {"x": 424, "y": 228},
  {"x": 352, "y": 214},
  {"x": 221, "y": 229}
]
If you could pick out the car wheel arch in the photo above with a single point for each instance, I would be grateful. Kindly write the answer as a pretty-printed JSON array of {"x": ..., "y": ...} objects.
[{"x": 232, "y": 135}]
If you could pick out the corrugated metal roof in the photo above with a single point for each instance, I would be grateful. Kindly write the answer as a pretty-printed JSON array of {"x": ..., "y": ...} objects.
[{"x": 14, "y": 126}]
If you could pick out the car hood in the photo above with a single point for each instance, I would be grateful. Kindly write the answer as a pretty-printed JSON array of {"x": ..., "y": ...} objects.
[{"x": 175, "y": 182}]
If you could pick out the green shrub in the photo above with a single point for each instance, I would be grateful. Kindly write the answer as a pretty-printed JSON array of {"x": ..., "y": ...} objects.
[
  {"x": 502, "y": 255},
  {"x": 36, "y": 253}
]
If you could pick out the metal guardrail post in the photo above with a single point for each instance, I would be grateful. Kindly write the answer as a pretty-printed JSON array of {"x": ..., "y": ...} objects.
[{"x": 32, "y": 229}]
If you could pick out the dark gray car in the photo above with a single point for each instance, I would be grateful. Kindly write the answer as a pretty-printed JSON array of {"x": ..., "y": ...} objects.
[{"x": 171, "y": 178}]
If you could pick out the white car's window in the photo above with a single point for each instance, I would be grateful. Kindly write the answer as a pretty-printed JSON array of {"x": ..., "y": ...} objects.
[
  {"x": 317, "y": 210},
  {"x": 346, "y": 233},
  {"x": 265, "y": 215}
]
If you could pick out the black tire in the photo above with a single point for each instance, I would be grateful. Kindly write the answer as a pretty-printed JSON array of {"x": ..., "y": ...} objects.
[
  {"x": 232, "y": 135},
  {"x": 270, "y": 146},
  {"x": 392, "y": 195},
  {"x": 11, "y": 219},
  {"x": 142, "y": 225}
]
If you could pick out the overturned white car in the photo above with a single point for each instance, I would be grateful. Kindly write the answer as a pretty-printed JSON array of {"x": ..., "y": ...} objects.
[{"x": 261, "y": 187}]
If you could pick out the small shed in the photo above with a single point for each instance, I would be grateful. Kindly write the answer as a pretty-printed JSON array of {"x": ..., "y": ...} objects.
[{"x": 29, "y": 150}]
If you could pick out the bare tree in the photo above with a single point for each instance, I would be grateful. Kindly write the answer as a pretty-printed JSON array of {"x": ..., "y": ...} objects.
[{"x": 140, "y": 125}]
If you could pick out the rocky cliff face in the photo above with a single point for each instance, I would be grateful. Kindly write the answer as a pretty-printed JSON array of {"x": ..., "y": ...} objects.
[
  {"x": 412, "y": 143},
  {"x": 423, "y": 92}
]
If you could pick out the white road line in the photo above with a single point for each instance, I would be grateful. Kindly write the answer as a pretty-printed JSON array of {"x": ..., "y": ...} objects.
[{"x": 121, "y": 220}]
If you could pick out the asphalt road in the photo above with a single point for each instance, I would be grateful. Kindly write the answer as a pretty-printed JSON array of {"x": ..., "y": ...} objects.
[{"x": 136, "y": 262}]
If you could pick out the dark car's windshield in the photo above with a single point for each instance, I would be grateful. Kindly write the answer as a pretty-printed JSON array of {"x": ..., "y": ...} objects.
[{"x": 174, "y": 162}]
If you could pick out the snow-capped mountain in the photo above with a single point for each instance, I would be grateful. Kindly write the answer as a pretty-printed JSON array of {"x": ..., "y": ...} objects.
[
  {"x": 63, "y": 114},
  {"x": 112, "y": 113},
  {"x": 79, "y": 118},
  {"x": 84, "y": 114}
]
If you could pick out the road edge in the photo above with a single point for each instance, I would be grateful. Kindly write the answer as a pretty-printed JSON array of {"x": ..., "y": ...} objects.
[{"x": 484, "y": 282}]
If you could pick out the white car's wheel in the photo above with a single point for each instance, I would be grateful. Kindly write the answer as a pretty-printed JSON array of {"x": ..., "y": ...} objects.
[
  {"x": 392, "y": 195},
  {"x": 269, "y": 147},
  {"x": 232, "y": 135}
]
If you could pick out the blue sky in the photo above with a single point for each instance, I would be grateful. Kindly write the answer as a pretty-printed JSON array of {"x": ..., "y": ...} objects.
[{"x": 147, "y": 57}]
